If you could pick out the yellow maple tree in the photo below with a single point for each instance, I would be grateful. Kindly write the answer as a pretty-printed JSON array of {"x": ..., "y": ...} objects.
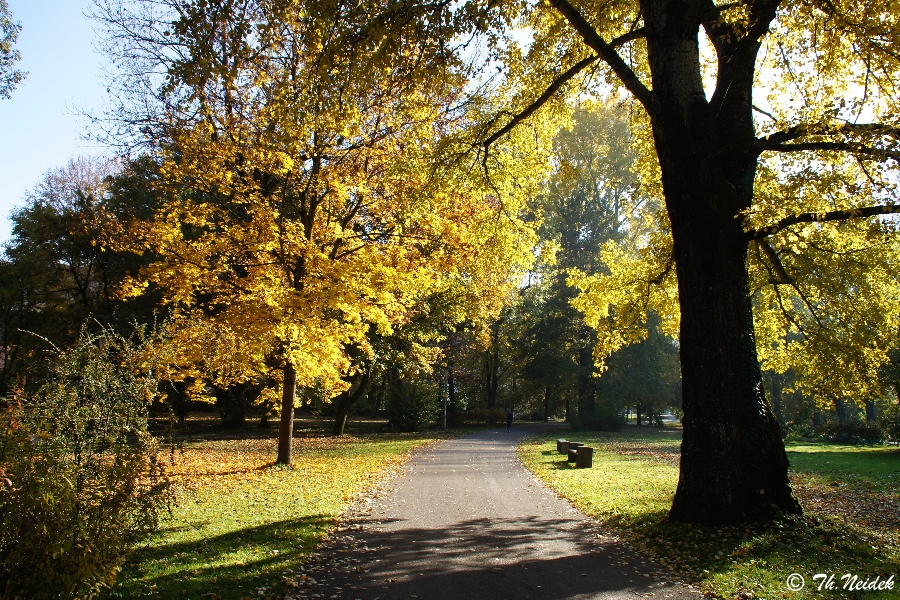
[{"x": 313, "y": 177}]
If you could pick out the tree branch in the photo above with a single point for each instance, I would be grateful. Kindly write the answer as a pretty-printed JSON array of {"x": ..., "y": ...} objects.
[
  {"x": 853, "y": 147},
  {"x": 824, "y": 129},
  {"x": 781, "y": 275},
  {"x": 542, "y": 99},
  {"x": 628, "y": 37},
  {"x": 811, "y": 217},
  {"x": 609, "y": 55}
]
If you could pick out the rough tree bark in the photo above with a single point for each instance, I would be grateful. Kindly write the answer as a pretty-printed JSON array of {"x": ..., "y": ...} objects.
[{"x": 733, "y": 463}]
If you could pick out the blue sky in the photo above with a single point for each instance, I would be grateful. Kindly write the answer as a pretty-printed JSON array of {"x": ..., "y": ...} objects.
[{"x": 39, "y": 125}]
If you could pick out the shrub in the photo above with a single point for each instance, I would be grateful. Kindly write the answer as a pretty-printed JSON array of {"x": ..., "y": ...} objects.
[
  {"x": 890, "y": 422},
  {"x": 486, "y": 416},
  {"x": 80, "y": 477},
  {"x": 412, "y": 405},
  {"x": 852, "y": 432},
  {"x": 602, "y": 418}
]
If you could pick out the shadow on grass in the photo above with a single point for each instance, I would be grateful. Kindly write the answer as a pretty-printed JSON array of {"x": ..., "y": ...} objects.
[
  {"x": 755, "y": 557},
  {"x": 232, "y": 565}
]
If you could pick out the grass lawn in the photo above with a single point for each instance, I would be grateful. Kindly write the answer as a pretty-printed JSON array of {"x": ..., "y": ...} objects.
[
  {"x": 240, "y": 524},
  {"x": 849, "y": 494}
]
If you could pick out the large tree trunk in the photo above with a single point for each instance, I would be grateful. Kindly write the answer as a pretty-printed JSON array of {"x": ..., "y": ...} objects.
[
  {"x": 286, "y": 430},
  {"x": 733, "y": 463},
  {"x": 776, "y": 402}
]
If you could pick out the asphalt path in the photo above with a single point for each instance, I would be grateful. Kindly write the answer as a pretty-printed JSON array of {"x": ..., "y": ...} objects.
[{"x": 466, "y": 520}]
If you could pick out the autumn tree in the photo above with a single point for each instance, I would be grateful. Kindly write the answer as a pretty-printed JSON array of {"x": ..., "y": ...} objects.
[
  {"x": 307, "y": 194},
  {"x": 61, "y": 268},
  {"x": 763, "y": 123},
  {"x": 9, "y": 32},
  {"x": 592, "y": 199}
]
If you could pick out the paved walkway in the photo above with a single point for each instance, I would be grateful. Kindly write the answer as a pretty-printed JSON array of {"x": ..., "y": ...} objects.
[{"x": 467, "y": 521}]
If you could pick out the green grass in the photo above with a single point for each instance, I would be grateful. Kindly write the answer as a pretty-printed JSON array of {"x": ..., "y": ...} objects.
[
  {"x": 241, "y": 525},
  {"x": 857, "y": 466},
  {"x": 633, "y": 479}
]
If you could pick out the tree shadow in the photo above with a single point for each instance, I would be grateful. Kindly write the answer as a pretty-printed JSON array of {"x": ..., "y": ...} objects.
[
  {"x": 226, "y": 565},
  {"x": 526, "y": 557}
]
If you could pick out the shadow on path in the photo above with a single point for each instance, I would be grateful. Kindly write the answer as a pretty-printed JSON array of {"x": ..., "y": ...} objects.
[{"x": 466, "y": 521}]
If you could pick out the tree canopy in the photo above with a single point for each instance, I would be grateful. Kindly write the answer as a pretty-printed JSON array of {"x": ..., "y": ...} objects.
[
  {"x": 769, "y": 130},
  {"x": 9, "y": 32},
  {"x": 310, "y": 173}
]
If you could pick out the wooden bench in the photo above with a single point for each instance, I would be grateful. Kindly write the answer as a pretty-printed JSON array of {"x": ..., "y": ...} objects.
[
  {"x": 581, "y": 455},
  {"x": 576, "y": 452}
]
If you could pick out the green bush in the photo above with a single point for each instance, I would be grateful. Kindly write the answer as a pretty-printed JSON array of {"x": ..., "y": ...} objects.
[
  {"x": 485, "y": 416},
  {"x": 602, "y": 418},
  {"x": 853, "y": 432},
  {"x": 413, "y": 405},
  {"x": 79, "y": 476},
  {"x": 890, "y": 422}
]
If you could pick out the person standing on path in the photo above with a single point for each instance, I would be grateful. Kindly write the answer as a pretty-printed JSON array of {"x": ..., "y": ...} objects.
[{"x": 509, "y": 417}]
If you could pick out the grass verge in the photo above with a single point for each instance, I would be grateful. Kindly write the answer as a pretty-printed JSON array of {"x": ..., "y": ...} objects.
[
  {"x": 851, "y": 523},
  {"x": 240, "y": 524}
]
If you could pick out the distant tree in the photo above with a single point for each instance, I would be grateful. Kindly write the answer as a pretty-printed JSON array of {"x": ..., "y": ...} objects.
[
  {"x": 63, "y": 265},
  {"x": 9, "y": 32},
  {"x": 592, "y": 199},
  {"x": 645, "y": 375}
]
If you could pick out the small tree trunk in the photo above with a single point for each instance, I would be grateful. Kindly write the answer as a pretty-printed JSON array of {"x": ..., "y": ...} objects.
[
  {"x": 492, "y": 376},
  {"x": 233, "y": 405},
  {"x": 348, "y": 398},
  {"x": 451, "y": 388},
  {"x": 286, "y": 430},
  {"x": 841, "y": 410},
  {"x": 870, "y": 411},
  {"x": 639, "y": 413},
  {"x": 585, "y": 381},
  {"x": 340, "y": 419},
  {"x": 547, "y": 402}
]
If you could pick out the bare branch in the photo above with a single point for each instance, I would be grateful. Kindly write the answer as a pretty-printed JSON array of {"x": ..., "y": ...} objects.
[{"x": 811, "y": 217}]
